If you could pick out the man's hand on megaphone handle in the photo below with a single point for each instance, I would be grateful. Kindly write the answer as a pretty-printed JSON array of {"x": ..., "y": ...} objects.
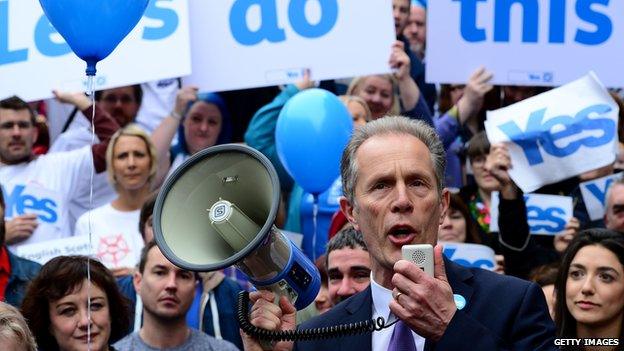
[{"x": 266, "y": 314}]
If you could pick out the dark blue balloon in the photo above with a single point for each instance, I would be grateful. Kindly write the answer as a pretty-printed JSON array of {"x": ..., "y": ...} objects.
[
  {"x": 312, "y": 130},
  {"x": 93, "y": 28}
]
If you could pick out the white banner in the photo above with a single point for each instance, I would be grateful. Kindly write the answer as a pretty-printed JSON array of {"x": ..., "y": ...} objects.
[
  {"x": 470, "y": 255},
  {"x": 558, "y": 134},
  {"x": 546, "y": 214},
  {"x": 45, "y": 251},
  {"x": 252, "y": 43},
  {"x": 34, "y": 58},
  {"x": 595, "y": 195},
  {"x": 536, "y": 42}
]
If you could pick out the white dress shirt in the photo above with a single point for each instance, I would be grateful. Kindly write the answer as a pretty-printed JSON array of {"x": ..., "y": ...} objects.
[{"x": 381, "y": 308}]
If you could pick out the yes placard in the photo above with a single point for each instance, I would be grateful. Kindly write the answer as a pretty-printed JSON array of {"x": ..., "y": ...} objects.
[
  {"x": 594, "y": 194},
  {"x": 546, "y": 214},
  {"x": 558, "y": 134}
]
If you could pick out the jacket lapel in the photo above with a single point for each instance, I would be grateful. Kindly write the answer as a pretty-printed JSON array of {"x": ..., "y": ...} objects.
[
  {"x": 458, "y": 277},
  {"x": 358, "y": 308}
]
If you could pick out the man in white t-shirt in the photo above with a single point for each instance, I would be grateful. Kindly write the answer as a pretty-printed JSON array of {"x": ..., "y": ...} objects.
[{"x": 37, "y": 190}]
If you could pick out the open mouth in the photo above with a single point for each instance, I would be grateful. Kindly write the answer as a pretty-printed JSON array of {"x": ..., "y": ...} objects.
[{"x": 402, "y": 234}]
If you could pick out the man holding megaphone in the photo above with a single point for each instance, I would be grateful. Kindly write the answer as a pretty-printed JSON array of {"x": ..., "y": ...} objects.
[{"x": 392, "y": 172}]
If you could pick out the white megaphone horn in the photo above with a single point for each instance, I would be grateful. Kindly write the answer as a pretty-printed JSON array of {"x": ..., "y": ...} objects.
[{"x": 217, "y": 209}]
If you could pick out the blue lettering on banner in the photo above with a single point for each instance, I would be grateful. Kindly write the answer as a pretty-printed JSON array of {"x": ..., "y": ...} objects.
[
  {"x": 530, "y": 21},
  {"x": 43, "y": 33},
  {"x": 481, "y": 263},
  {"x": 538, "y": 133},
  {"x": 168, "y": 17},
  {"x": 600, "y": 194},
  {"x": 18, "y": 204},
  {"x": 545, "y": 219},
  {"x": 269, "y": 28},
  {"x": 6, "y": 55}
]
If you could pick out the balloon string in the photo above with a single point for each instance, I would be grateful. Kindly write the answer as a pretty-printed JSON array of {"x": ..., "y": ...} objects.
[
  {"x": 91, "y": 93},
  {"x": 314, "y": 225}
]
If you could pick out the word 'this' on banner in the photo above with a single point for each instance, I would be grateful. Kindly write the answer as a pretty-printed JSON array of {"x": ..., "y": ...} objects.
[
  {"x": 558, "y": 40},
  {"x": 558, "y": 134},
  {"x": 240, "y": 44},
  {"x": 546, "y": 214}
]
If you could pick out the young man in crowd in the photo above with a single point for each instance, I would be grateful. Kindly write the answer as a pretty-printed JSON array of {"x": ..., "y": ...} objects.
[
  {"x": 167, "y": 292},
  {"x": 348, "y": 265}
]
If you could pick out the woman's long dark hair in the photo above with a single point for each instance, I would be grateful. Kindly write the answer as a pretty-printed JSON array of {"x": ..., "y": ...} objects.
[{"x": 610, "y": 240}]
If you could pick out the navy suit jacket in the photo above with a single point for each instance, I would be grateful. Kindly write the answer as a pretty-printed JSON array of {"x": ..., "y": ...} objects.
[{"x": 501, "y": 313}]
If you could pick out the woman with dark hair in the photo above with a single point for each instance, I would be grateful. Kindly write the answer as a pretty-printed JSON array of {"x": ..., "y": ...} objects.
[
  {"x": 590, "y": 287},
  {"x": 458, "y": 225},
  {"x": 58, "y": 300}
]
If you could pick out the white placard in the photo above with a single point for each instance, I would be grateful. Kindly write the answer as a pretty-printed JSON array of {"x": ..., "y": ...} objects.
[
  {"x": 536, "y": 42},
  {"x": 45, "y": 251},
  {"x": 558, "y": 134},
  {"x": 252, "y": 43},
  {"x": 594, "y": 194},
  {"x": 470, "y": 255},
  {"x": 546, "y": 214},
  {"x": 34, "y": 58}
]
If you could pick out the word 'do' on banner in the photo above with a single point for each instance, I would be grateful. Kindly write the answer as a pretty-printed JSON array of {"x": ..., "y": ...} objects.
[
  {"x": 241, "y": 44},
  {"x": 558, "y": 134},
  {"x": 528, "y": 42},
  {"x": 546, "y": 214},
  {"x": 34, "y": 58}
]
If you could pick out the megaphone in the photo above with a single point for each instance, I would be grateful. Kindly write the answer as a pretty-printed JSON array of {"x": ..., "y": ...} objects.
[{"x": 217, "y": 209}]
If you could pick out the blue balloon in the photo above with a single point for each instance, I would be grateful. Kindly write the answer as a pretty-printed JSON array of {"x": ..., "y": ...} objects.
[
  {"x": 93, "y": 28},
  {"x": 312, "y": 130}
]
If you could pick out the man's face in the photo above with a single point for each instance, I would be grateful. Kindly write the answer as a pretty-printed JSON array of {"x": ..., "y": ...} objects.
[
  {"x": 614, "y": 216},
  {"x": 396, "y": 199},
  {"x": 348, "y": 271},
  {"x": 416, "y": 29},
  {"x": 166, "y": 290},
  {"x": 400, "y": 11},
  {"x": 120, "y": 104},
  {"x": 17, "y": 136}
]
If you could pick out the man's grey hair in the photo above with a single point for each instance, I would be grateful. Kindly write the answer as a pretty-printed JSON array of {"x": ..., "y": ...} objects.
[
  {"x": 619, "y": 181},
  {"x": 386, "y": 126}
]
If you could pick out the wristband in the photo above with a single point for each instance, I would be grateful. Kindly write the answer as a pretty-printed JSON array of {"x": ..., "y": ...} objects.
[{"x": 175, "y": 115}]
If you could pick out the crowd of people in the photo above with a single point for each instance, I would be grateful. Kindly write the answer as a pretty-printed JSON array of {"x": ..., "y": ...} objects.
[{"x": 419, "y": 168}]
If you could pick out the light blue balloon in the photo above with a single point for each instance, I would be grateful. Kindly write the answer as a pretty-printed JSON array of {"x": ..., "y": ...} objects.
[
  {"x": 93, "y": 28},
  {"x": 312, "y": 130}
]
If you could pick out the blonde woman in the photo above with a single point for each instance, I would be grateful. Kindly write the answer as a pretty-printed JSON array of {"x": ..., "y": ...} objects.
[
  {"x": 14, "y": 332},
  {"x": 131, "y": 166}
]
